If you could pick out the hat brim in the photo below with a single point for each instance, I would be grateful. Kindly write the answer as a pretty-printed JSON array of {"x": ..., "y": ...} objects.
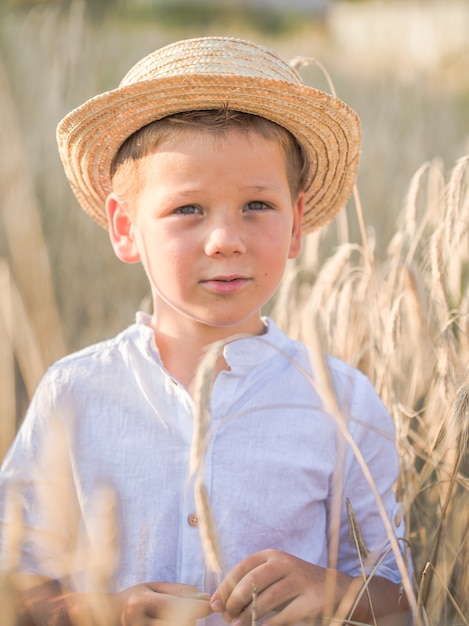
[{"x": 328, "y": 130}]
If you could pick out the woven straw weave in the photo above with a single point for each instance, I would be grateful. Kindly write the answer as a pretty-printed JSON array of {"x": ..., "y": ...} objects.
[{"x": 211, "y": 73}]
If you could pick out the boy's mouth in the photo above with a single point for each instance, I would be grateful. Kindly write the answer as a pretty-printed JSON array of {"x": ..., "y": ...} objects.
[{"x": 226, "y": 284}]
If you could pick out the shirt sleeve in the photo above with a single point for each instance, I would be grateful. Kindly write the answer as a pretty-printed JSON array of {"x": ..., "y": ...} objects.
[
  {"x": 39, "y": 512},
  {"x": 364, "y": 545}
]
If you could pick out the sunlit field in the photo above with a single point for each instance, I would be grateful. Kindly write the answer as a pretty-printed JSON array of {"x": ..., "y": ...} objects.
[{"x": 385, "y": 287}]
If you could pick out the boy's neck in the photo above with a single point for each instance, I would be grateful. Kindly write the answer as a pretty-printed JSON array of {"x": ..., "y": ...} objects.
[
  {"x": 181, "y": 358},
  {"x": 181, "y": 354}
]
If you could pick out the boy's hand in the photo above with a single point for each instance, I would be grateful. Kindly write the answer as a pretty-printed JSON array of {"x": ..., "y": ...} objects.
[
  {"x": 161, "y": 604},
  {"x": 299, "y": 592},
  {"x": 294, "y": 588},
  {"x": 149, "y": 604}
]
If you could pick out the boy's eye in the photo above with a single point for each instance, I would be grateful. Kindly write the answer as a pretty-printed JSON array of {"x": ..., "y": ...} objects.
[
  {"x": 188, "y": 209},
  {"x": 257, "y": 205}
]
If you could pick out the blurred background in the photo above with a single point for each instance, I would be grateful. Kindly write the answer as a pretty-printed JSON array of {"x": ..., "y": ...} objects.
[
  {"x": 402, "y": 64},
  {"x": 393, "y": 296}
]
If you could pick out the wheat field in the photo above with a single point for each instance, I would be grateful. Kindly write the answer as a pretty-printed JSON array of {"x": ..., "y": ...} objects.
[{"x": 385, "y": 287}]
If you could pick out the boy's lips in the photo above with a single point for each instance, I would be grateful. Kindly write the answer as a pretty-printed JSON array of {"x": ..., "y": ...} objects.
[{"x": 226, "y": 284}]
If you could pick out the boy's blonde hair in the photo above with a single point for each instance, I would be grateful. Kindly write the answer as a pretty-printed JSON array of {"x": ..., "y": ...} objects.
[{"x": 126, "y": 167}]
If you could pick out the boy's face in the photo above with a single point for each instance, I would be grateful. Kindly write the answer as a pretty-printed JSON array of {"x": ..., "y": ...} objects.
[{"x": 213, "y": 225}]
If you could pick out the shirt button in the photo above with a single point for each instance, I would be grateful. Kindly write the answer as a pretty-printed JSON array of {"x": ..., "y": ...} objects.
[{"x": 193, "y": 520}]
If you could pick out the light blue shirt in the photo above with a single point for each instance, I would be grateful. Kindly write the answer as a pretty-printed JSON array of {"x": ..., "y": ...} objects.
[{"x": 111, "y": 416}]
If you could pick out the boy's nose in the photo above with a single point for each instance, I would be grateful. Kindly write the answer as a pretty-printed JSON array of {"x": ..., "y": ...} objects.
[{"x": 224, "y": 240}]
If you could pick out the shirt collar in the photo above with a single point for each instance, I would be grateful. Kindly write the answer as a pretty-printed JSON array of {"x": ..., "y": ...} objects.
[
  {"x": 147, "y": 336},
  {"x": 251, "y": 351},
  {"x": 242, "y": 352}
]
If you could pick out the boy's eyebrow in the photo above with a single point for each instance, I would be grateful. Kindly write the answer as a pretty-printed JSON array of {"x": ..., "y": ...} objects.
[
  {"x": 257, "y": 188},
  {"x": 261, "y": 188}
]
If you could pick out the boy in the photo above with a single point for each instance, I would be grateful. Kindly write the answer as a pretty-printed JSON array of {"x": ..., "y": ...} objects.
[{"x": 208, "y": 164}]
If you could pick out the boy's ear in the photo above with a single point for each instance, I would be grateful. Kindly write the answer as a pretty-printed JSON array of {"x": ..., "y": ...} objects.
[
  {"x": 121, "y": 230},
  {"x": 296, "y": 237}
]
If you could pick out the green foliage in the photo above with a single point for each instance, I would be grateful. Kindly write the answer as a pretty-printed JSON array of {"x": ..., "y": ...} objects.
[
  {"x": 208, "y": 14},
  {"x": 175, "y": 15},
  {"x": 96, "y": 9}
]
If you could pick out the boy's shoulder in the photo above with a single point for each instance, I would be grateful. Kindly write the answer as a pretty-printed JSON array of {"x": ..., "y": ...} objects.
[
  {"x": 102, "y": 354},
  {"x": 300, "y": 353},
  {"x": 353, "y": 390}
]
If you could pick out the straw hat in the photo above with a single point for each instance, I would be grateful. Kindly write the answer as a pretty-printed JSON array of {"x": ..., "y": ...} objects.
[{"x": 211, "y": 73}]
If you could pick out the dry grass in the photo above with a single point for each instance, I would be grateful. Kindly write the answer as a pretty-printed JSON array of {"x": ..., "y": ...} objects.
[
  {"x": 30, "y": 327},
  {"x": 392, "y": 300},
  {"x": 403, "y": 321}
]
